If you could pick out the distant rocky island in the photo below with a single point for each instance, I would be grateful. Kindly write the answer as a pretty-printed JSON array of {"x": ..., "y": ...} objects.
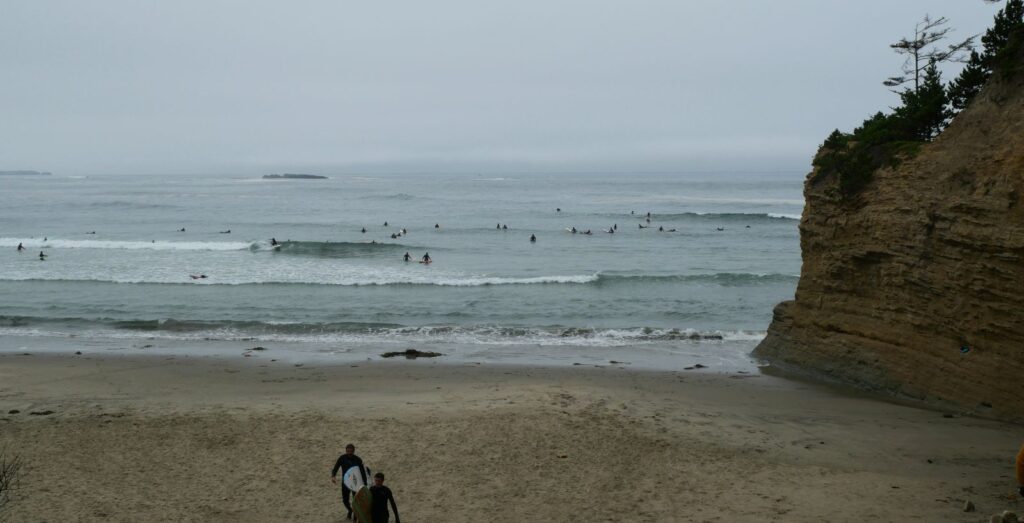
[
  {"x": 24, "y": 173},
  {"x": 293, "y": 177}
]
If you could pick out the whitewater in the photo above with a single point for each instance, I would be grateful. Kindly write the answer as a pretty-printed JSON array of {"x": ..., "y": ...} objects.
[{"x": 692, "y": 267}]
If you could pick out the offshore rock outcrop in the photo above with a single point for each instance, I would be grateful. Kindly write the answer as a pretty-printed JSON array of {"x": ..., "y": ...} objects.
[{"x": 915, "y": 286}]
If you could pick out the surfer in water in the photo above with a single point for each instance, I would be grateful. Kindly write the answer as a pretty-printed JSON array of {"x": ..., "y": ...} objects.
[
  {"x": 345, "y": 462},
  {"x": 273, "y": 242},
  {"x": 407, "y": 257},
  {"x": 41, "y": 255},
  {"x": 364, "y": 230},
  {"x": 533, "y": 238},
  {"x": 381, "y": 496},
  {"x": 426, "y": 258},
  {"x": 20, "y": 247}
]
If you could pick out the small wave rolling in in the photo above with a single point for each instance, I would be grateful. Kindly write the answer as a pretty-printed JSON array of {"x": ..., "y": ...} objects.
[{"x": 119, "y": 267}]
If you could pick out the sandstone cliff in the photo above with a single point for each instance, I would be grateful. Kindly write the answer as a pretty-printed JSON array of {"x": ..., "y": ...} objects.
[{"x": 925, "y": 261}]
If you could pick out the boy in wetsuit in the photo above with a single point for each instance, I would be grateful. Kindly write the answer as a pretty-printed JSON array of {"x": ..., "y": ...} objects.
[
  {"x": 345, "y": 462},
  {"x": 381, "y": 496}
]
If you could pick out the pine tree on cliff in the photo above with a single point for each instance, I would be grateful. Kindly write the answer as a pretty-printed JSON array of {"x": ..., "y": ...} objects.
[
  {"x": 927, "y": 32},
  {"x": 924, "y": 114},
  {"x": 996, "y": 42},
  {"x": 966, "y": 86}
]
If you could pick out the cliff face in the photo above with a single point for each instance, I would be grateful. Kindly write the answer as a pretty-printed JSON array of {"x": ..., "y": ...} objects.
[{"x": 927, "y": 260}]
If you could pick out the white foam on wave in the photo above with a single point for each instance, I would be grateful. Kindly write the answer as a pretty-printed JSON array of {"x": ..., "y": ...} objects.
[
  {"x": 158, "y": 245},
  {"x": 470, "y": 336},
  {"x": 354, "y": 280}
]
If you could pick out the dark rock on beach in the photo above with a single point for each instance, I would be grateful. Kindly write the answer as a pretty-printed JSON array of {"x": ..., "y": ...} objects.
[
  {"x": 412, "y": 354},
  {"x": 293, "y": 177}
]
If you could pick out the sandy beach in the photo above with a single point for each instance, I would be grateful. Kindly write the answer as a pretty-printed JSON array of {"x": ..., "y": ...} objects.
[{"x": 166, "y": 438}]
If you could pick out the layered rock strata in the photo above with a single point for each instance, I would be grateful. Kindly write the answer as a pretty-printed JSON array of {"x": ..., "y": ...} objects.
[{"x": 915, "y": 286}]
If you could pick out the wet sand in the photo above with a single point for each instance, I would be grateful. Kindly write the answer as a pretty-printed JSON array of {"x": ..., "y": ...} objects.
[{"x": 162, "y": 438}]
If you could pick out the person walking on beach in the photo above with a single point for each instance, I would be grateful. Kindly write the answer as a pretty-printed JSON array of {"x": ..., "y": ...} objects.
[
  {"x": 345, "y": 462},
  {"x": 381, "y": 496}
]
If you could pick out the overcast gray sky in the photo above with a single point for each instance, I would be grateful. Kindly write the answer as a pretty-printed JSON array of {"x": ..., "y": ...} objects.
[{"x": 246, "y": 87}]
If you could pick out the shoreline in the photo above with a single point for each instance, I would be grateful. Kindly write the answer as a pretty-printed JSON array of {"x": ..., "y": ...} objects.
[
  {"x": 171, "y": 438},
  {"x": 714, "y": 355}
]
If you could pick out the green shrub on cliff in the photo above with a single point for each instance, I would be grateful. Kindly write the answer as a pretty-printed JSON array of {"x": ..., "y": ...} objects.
[{"x": 884, "y": 139}]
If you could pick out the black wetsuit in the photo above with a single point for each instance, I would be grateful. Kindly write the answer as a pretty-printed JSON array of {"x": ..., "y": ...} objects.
[
  {"x": 379, "y": 509},
  {"x": 345, "y": 462}
]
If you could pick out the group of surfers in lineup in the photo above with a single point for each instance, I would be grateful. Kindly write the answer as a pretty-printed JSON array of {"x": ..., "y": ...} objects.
[
  {"x": 425, "y": 259},
  {"x": 380, "y": 496}
]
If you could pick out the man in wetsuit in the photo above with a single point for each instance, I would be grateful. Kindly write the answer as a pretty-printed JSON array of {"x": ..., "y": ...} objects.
[
  {"x": 345, "y": 462},
  {"x": 21, "y": 247},
  {"x": 407, "y": 257},
  {"x": 426, "y": 257},
  {"x": 381, "y": 496}
]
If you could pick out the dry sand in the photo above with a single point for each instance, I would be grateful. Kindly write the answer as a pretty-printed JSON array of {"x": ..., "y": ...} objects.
[{"x": 208, "y": 439}]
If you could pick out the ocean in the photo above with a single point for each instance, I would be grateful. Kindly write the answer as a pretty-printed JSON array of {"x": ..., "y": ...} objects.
[{"x": 122, "y": 252}]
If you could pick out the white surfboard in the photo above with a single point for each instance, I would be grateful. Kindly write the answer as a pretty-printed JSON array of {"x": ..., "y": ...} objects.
[{"x": 354, "y": 480}]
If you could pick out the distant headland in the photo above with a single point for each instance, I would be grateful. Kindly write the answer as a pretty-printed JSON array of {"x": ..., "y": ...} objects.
[
  {"x": 293, "y": 177},
  {"x": 24, "y": 173}
]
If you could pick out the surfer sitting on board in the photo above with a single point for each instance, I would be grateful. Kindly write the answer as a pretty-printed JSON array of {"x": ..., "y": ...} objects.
[
  {"x": 426, "y": 258},
  {"x": 41, "y": 255},
  {"x": 407, "y": 257},
  {"x": 345, "y": 462},
  {"x": 381, "y": 496}
]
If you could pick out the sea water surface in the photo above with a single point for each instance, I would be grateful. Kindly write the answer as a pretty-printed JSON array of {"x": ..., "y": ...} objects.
[{"x": 119, "y": 269}]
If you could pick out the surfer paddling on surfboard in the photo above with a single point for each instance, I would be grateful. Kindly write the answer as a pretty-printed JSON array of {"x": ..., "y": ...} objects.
[
  {"x": 381, "y": 496},
  {"x": 345, "y": 462}
]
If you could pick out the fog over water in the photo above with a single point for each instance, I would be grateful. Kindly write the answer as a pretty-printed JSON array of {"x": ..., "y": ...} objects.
[{"x": 246, "y": 87}]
